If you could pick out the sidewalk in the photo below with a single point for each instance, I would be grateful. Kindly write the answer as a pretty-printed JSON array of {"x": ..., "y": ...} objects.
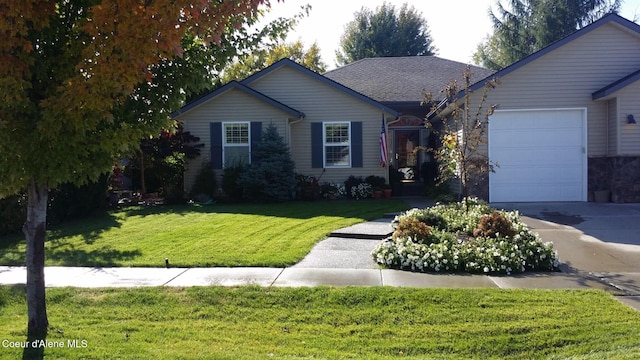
[
  {"x": 295, "y": 277},
  {"x": 343, "y": 259}
]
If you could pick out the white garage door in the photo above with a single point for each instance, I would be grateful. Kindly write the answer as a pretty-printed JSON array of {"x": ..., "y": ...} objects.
[{"x": 541, "y": 155}]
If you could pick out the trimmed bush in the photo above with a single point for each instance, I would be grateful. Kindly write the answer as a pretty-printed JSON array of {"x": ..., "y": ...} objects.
[
  {"x": 13, "y": 213},
  {"x": 66, "y": 202},
  {"x": 362, "y": 191},
  {"x": 413, "y": 228},
  {"x": 494, "y": 225},
  {"x": 351, "y": 182},
  {"x": 230, "y": 186},
  {"x": 377, "y": 182},
  {"x": 205, "y": 182},
  {"x": 69, "y": 201}
]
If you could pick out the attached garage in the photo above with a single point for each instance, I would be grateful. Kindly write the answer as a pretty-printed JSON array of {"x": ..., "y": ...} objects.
[{"x": 541, "y": 154}]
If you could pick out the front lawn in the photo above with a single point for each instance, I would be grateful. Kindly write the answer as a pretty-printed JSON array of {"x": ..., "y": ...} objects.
[
  {"x": 199, "y": 236},
  {"x": 326, "y": 323}
]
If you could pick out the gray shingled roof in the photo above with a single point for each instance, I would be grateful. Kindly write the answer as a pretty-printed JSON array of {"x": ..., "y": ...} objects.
[{"x": 402, "y": 79}]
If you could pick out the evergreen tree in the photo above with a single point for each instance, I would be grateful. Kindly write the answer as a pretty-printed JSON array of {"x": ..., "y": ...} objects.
[
  {"x": 271, "y": 175},
  {"x": 526, "y": 26},
  {"x": 386, "y": 32}
]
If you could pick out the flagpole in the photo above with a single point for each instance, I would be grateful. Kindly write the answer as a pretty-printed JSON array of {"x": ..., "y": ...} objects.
[{"x": 384, "y": 153}]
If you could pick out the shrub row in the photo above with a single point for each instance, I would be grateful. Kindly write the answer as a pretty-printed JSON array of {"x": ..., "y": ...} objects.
[{"x": 65, "y": 203}]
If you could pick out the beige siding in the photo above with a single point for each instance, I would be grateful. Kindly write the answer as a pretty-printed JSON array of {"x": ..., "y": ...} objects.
[
  {"x": 629, "y": 134},
  {"x": 233, "y": 105},
  {"x": 567, "y": 76},
  {"x": 321, "y": 102},
  {"x": 612, "y": 129}
]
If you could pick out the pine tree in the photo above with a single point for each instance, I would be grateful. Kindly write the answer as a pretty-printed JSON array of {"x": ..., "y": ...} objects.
[
  {"x": 526, "y": 26},
  {"x": 271, "y": 175}
]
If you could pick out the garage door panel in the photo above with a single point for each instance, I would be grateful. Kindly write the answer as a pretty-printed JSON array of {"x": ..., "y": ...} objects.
[
  {"x": 532, "y": 120},
  {"x": 536, "y": 139},
  {"x": 527, "y": 174},
  {"x": 537, "y": 157},
  {"x": 537, "y": 193},
  {"x": 541, "y": 155}
]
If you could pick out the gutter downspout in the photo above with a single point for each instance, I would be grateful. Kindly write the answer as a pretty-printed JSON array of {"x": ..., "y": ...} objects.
[{"x": 289, "y": 123}]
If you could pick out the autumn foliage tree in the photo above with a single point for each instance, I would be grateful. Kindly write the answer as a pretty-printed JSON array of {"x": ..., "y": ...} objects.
[{"x": 65, "y": 69}]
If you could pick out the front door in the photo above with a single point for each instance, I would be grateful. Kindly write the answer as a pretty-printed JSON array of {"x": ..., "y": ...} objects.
[{"x": 406, "y": 157}]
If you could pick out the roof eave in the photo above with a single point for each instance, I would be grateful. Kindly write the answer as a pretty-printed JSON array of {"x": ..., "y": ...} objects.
[
  {"x": 609, "y": 18},
  {"x": 615, "y": 86},
  {"x": 321, "y": 78},
  {"x": 239, "y": 86}
]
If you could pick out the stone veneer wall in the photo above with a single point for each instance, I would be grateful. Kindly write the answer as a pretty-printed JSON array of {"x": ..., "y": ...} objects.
[{"x": 619, "y": 174}]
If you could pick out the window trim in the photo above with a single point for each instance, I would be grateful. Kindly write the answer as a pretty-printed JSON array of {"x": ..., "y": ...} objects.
[
  {"x": 225, "y": 144},
  {"x": 325, "y": 144}
]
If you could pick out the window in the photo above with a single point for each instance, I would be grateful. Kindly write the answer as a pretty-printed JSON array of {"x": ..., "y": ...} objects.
[
  {"x": 235, "y": 143},
  {"x": 337, "y": 144}
]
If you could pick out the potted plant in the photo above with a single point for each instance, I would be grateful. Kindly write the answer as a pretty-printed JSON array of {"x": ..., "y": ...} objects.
[
  {"x": 387, "y": 191},
  {"x": 377, "y": 184},
  {"x": 377, "y": 193}
]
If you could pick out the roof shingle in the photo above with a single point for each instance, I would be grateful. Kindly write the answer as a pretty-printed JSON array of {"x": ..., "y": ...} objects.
[{"x": 402, "y": 79}]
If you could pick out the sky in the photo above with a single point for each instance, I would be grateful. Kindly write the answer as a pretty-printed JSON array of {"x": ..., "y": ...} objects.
[{"x": 456, "y": 26}]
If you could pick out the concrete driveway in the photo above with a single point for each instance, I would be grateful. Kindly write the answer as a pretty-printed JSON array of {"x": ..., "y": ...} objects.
[{"x": 602, "y": 240}]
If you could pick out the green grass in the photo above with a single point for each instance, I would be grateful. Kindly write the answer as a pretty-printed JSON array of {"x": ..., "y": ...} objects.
[
  {"x": 328, "y": 323},
  {"x": 199, "y": 236}
]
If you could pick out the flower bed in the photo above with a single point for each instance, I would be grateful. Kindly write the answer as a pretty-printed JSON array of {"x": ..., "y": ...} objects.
[{"x": 459, "y": 239}]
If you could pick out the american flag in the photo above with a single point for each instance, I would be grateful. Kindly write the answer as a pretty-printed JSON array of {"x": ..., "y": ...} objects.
[{"x": 383, "y": 145}]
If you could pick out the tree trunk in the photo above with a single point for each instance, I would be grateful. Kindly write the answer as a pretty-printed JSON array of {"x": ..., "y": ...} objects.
[{"x": 35, "y": 232}]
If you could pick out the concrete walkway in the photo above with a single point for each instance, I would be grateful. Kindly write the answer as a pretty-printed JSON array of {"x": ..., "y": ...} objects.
[
  {"x": 294, "y": 277},
  {"x": 343, "y": 259}
]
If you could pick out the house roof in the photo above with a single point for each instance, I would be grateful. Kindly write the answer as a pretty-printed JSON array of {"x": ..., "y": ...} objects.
[
  {"x": 616, "y": 85},
  {"x": 323, "y": 79},
  {"x": 607, "y": 19},
  {"x": 402, "y": 79},
  {"x": 247, "y": 90}
]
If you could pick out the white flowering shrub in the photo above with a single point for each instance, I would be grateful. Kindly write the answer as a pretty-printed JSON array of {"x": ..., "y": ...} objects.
[
  {"x": 451, "y": 217},
  {"x": 452, "y": 247},
  {"x": 362, "y": 191},
  {"x": 331, "y": 190}
]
